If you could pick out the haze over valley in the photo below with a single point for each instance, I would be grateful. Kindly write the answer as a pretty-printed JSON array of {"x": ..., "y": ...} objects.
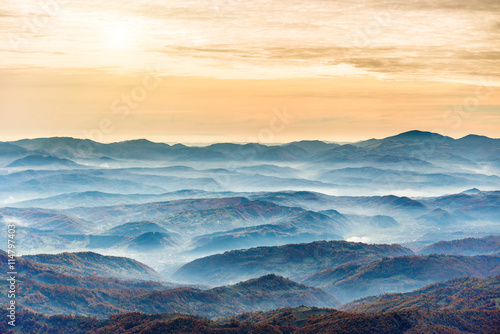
[
  {"x": 220, "y": 230},
  {"x": 169, "y": 204}
]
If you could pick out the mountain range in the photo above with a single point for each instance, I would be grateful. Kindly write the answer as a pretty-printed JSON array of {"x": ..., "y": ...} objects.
[
  {"x": 415, "y": 159},
  {"x": 144, "y": 237},
  {"x": 413, "y": 143},
  {"x": 211, "y": 222}
]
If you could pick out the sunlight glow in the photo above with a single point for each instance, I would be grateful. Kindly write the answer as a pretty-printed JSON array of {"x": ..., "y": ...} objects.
[{"x": 119, "y": 36}]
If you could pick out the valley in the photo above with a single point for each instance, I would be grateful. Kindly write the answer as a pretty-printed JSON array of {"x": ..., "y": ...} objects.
[{"x": 254, "y": 235}]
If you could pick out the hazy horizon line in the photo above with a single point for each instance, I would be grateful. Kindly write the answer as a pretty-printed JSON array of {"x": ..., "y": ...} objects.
[{"x": 202, "y": 144}]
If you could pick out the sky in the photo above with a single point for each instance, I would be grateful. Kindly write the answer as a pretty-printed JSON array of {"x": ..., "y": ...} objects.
[{"x": 248, "y": 71}]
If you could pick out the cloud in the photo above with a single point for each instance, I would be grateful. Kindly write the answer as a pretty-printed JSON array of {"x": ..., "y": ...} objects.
[
  {"x": 33, "y": 52},
  {"x": 262, "y": 52},
  {"x": 4, "y": 13},
  {"x": 463, "y": 5},
  {"x": 436, "y": 40},
  {"x": 162, "y": 11},
  {"x": 387, "y": 60},
  {"x": 488, "y": 55}
]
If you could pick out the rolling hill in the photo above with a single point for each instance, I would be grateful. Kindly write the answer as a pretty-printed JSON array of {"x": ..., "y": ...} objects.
[
  {"x": 93, "y": 264},
  {"x": 45, "y": 274},
  {"x": 400, "y": 274},
  {"x": 262, "y": 235},
  {"x": 122, "y": 214},
  {"x": 470, "y": 246},
  {"x": 291, "y": 261},
  {"x": 47, "y": 220},
  {"x": 466, "y": 293},
  {"x": 151, "y": 242},
  {"x": 194, "y": 217}
]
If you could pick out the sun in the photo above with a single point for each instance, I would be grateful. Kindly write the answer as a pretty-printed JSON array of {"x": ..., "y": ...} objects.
[{"x": 119, "y": 36}]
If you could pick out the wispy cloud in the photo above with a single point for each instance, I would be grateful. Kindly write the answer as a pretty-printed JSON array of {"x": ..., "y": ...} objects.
[{"x": 455, "y": 39}]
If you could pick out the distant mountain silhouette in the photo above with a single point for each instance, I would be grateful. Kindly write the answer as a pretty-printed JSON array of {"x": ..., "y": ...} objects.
[
  {"x": 11, "y": 151},
  {"x": 313, "y": 146},
  {"x": 43, "y": 161},
  {"x": 419, "y": 136},
  {"x": 295, "y": 151}
]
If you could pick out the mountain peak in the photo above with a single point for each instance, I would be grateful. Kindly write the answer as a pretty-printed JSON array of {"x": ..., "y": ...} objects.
[
  {"x": 473, "y": 191},
  {"x": 270, "y": 277},
  {"x": 417, "y": 135},
  {"x": 266, "y": 280},
  {"x": 476, "y": 139},
  {"x": 141, "y": 142},
  {"x": 310, "y": 142}
]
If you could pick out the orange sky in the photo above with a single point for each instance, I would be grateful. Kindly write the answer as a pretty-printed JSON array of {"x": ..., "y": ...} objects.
[
  {"x": 193, "y": 72},
  {"x": 111, "y": 107}
]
